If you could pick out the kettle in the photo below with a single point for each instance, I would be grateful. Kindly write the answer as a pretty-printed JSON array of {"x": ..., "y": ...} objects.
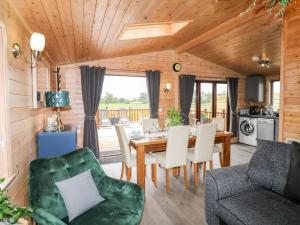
[{"x": 262, "y": 110}]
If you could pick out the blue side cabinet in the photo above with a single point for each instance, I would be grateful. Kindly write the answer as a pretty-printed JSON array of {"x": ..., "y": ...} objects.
[{"x": 52, "y": 144}]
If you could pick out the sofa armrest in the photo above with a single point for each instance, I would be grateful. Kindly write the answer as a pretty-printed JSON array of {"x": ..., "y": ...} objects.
[
  {"x": 222, "y": 183},
  {"x": 42, "y": 217}
]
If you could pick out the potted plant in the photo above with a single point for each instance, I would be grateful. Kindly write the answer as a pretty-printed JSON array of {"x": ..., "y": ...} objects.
[
  {"x": 276, "y": 6},
  {"x": 10, "y": 213},
  {"x": 174, "y": 117}
]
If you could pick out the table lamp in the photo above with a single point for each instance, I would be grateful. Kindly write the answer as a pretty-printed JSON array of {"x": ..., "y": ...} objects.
[{"x": 58, "y": 100}]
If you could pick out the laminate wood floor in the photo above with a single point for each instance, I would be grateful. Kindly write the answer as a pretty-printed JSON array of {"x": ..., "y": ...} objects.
[{"x": 181, "y": 206}]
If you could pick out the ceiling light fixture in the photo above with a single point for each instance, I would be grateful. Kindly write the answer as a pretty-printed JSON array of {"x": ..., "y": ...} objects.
[
  {"x": 151, "y": 30},
  {"x": 265, "y": 63}
]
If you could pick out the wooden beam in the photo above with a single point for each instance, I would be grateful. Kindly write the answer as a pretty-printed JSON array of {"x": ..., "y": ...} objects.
[{"x": 225, "y": 27}]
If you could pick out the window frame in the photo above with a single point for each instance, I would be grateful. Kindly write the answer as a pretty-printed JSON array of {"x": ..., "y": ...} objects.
[
  {"x": 214, "y": 102},
  {"x": 272, "y": 92}
]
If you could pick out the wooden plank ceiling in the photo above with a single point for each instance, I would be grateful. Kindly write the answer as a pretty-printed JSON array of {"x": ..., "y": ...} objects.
[{"x": 82, "y": 30}]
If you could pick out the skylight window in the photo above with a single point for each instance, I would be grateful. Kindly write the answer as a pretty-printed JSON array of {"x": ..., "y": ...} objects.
[{"x": 151, "y": 30}]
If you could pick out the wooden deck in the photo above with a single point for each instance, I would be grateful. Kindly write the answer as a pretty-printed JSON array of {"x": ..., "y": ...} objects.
[{"x": 108, "y": 140}]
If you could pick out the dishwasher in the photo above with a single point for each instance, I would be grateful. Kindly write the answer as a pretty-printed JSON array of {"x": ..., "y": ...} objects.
[{"x": 266, "y": 129}]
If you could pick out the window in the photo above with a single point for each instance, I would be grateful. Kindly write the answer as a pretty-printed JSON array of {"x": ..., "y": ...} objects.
[
  {"x": 212, "y": 100},
  {"x": 151, "y": 30},
  {"x": 275, "y": 95},
  {"x": 124, "y": 100}
]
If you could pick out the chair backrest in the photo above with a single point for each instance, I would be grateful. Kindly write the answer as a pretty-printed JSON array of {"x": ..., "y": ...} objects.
[
  {"x": 103, "y": 114},
  {"x": 177, "y": 146},
  {"x": 43, "y": 173},
  {"x": 124, "y": 143},
  {"x": 220, "y": 123},
  {"x": 148, "y": 123},
  {"x": 123, "y": 113},
  {"x": 206, "y": 134}
]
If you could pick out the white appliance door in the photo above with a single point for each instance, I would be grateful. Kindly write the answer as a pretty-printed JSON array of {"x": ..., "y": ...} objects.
[{"x": 265, "y": 129}]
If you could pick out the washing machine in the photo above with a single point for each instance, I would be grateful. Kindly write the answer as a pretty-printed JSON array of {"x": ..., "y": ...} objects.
[{"x": 248, "y": 131}]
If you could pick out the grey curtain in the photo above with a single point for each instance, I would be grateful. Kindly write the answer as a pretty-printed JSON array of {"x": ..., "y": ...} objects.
[
  {"x": 153, "y": 86},
  {"x": 91, "y": 85},
  {"x": 186, "y": 91},
  {"x": 232, "y": 84}
]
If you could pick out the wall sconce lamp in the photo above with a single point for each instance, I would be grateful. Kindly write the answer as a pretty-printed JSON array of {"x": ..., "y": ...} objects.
[
  {"x": 37, "y": 44},
  {"x": 167, "y": 87},
  {"x": 16, "y": 50}
]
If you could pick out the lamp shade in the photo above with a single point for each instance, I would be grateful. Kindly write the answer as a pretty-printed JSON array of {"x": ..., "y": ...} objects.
[
  {"x": 37, "y": 42},
  {"x": 57, "y": 98}
]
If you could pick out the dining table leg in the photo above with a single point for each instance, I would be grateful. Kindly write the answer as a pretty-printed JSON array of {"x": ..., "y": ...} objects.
[
  {"x": 226, "y": 152},
  {"x": 140, "y": 170}
]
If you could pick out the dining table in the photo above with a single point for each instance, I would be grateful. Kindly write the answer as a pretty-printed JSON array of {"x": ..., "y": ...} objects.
[{"x": 158, "y": 143}]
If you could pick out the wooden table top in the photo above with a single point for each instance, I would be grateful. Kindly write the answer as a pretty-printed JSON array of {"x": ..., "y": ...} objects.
[{"x": 162, "y": 140}]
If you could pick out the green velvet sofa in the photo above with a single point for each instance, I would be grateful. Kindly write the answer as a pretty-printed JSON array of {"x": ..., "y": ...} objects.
[{"x": 123, "y": 205}]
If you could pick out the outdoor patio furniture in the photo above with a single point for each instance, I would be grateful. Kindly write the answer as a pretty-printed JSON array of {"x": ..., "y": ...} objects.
[
  {"x": 104, "y": 120},
  {"x": 123, "y": 116}
]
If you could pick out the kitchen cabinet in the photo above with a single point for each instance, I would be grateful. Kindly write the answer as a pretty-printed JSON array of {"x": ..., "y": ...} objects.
[{"x": 255, "y": 88}]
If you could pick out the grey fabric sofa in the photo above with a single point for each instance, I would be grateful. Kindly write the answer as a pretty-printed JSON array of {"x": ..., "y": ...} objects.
[{"x": 232, "y": 199}]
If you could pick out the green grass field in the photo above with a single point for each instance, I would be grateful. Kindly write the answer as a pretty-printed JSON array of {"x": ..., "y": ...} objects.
[{"x": 123, "y": 105}]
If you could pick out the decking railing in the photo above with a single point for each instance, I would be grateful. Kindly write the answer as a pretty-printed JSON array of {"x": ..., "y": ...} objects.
[
  {"x": 133, "y": 115},
  {"x": 208, "y": 115}
]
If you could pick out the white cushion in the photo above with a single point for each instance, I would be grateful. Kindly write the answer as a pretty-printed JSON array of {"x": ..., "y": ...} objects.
[{"x": 79, "y": 193}]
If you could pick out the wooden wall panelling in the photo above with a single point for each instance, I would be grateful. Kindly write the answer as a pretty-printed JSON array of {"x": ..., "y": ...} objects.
[
  {"x": 51, "y": 11},
  {"x": 34, "y": 14},
  {"x": 136, "y": 65},
  {"x": 24, "y": 121},
  {"x": 235, "y": 48},
  {"x": 96, "y": 25},
  {"x": 290, "y": 77},
  {"x": 65, "y": 11}
]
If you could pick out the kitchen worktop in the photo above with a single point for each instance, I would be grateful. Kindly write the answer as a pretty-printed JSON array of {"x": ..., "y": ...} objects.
[{"x": 259, "y": 116}]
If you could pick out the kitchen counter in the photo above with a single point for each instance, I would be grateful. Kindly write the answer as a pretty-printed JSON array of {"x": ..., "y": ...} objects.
[{"x": 260, "y": 116}]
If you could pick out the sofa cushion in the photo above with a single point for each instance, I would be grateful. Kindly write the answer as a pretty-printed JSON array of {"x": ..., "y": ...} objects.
[
  {"x": 79, "y": 193},
  {"x": 269, "y": 165},
  {"x": 110, "y": 212},
  {"x": 258, "y": 207},
  {"x": 293, "y": 182}
]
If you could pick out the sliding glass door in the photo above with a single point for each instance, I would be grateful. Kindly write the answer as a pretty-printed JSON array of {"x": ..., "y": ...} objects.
[
  {"x": 221, "y": 100},
  {"x": 206, "y": 101},
  {"x": 211, "y": 100}
]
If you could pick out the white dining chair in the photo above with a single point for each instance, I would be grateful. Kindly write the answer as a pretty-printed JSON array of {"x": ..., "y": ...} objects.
[
  {"x": 148, "y": 124},
  {"x": 218, "y": 148},
  {"x": 203, "y": 151},
  {"x": 176, "y": 152},
  {"x": 129, "y": 159}
]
